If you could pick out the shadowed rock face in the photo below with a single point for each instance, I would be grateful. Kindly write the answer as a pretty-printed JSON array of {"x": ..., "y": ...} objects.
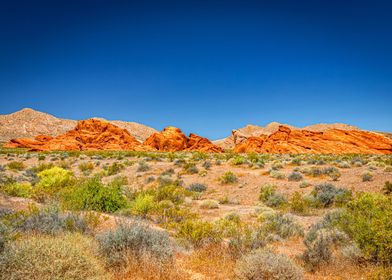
[
  {"x": 334, "y": 141},
  {"x": 172, "y": 139},
  {"x": 89, "y": 134}
]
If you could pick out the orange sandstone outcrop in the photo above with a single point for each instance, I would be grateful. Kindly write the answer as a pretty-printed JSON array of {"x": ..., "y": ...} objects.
[
  {"x": 334, "y": 141},
  {"x": 91, "y": 134},
  {"x": 172, "y": 139}
]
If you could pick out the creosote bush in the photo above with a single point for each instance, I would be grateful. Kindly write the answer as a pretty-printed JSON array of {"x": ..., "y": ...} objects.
[
  {"x": 228, "y": 178},
  {"x": 262, "y": 264},
  {"x": 17, "y": 189},
  {"x": 51, "y": 181},
  {"x": 198, "y": 232},
  {"x": 92, "y": 194}
]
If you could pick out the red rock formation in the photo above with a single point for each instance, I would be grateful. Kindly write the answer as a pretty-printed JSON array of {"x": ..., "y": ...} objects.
[
  {"x": 197, "y": 143},
  {"x": 172, "y": 139},
  {"x": 334, "y": 141},
  {"x": 89, "y": 134}
]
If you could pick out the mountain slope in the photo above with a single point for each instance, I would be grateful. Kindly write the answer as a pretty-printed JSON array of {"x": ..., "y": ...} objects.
[{"x": 28, "y": 123}]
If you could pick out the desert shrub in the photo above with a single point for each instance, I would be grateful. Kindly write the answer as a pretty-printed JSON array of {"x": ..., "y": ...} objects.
[
  {"x": 304, "y": 184},
  {"x": 228, "y": 178},
  {"x": 142, "y": 167},
  {"x": 271, "y": 197},
  {"x": 150, "y": 179},
  {"x": 319, "y": 245},
  {"x": 114, "y": 168},
  {"x": 16, "y": 165},
  {"x": 367, "y": 176},
  {"x": 326, "y": 195},
  {"x": 283, "y": 225},
  {"x": 207, "y": 164},
  {"x": 17, "y": 189},
  {"x": 387, "y": 189},
  {"x": 368, "y": 221},
  {"x": 295, "y": 176},
  {"x": 86, "y": 167},
  {"x": 51, "y": 221},
  {"x": 52, "y": 180},
  {"x": 136, "y": 240},
  {"x": 143, "y": 204},
  {"x": 352, "y": 253},
  {"x": 263, "y": 264},
  {"x": 174, "y": 193},
  {"x": 41, "y": 157},
  {"x": 168, "y": 172},
  {"x": 47, "y": 258},
  {"x": 197, "y": 187},
  {"x": 238, "y": 160},
  {"x": 92, "y": 194},
  {"x": 191, "y": 168},
  {"x": 298, "y": 204},
  {"x": 388, "y": 169},
  {"x": 344, "y": 164},
  {"x": 277, "y": 175},
  {"x": 42, "y": 166},
  {"x": 209, "y": 204},
  {"x": 198, "y": 232}
]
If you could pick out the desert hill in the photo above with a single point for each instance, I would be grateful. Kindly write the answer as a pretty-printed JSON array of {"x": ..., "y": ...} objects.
[{"x": 28, "y": 123}]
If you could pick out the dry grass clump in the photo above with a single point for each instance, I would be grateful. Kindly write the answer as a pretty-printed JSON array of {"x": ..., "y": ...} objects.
[
  {"x": 47, "y": 258},
  {"x": 265, "y": 265}
]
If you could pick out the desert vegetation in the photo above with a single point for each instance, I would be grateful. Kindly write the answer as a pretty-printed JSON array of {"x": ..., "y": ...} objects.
[{"x": 193, "y": 215}]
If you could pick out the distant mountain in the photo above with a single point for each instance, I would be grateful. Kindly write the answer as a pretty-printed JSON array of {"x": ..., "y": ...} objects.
[{"x": 28, "y": 123}]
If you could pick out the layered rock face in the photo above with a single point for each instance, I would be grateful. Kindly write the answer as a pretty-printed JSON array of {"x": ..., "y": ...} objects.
[
  {"x": 172, "y": 139},
  {"x": 89, "y": 134},
  {"x": 334, "y": 141}
]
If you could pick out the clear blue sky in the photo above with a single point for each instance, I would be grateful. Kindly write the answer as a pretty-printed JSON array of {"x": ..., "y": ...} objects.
[{"x": 204, "y": 66}]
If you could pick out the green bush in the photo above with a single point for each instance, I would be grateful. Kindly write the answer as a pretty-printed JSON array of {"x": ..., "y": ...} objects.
[
  {"x": 114, "y": 168},
  {"x": 298, "y": 204},
  {"x": 17, "y": 189},
  {"x": 238, "y": 160},
  {"x": 191, "y": 168},
  {"x": 368, "y": 221},
  {"x": 143, "y": 167},
  {"x": 86, "y": 167},
  {"x": 295, "y": 176},
  {"x": 271, "y": 197},
  {"x": 198, "y": 232},
  {"x": 46, "y": 258},
  {"x": 387, "y": 188},
  {"x": 135, "y": 240},
  {"x": 325, "y": 195},
  {"x": 209, "y": 204},
  {"x": 367, "y": 176},
  {"x": 143, "y": 204},
  {"x": 174, "y": 193},
  {"x": 52, "y": 180},
  {"x": 16, "y": 165},
  {"x": 92, "y": 194},
  {"x": 283, "y": 225},
  {"x": 228, "y": 178},
  {"x": 262, "y": 264},
  {"x": 197, "y": 187}
]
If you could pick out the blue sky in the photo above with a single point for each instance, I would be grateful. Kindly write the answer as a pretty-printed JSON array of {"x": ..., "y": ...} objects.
[{"x": 204, "y": 66}]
